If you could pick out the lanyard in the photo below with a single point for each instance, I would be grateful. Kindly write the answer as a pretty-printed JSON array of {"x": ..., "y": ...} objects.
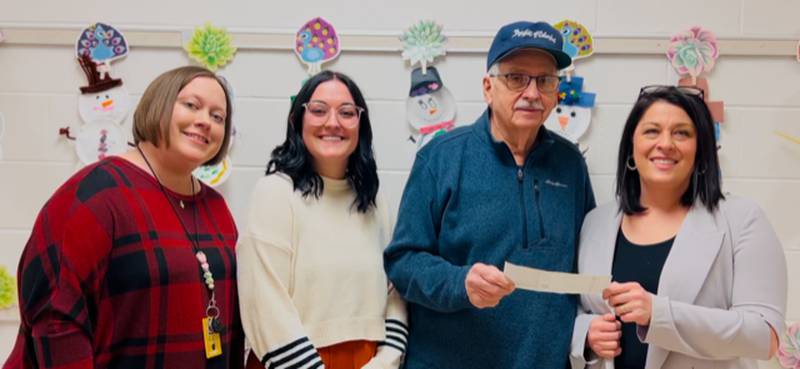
[{"x": 212, "y": 327}]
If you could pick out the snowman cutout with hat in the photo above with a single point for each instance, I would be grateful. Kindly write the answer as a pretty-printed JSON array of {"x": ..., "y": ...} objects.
[
  {"x": 104, "y": 103},
  {"x": 430, "y": 106},
  {"x": 103, "y": 106}
]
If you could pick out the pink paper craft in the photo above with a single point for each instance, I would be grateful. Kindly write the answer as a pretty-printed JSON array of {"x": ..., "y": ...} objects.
[
  {"x": 316, "y": 43},
  {"x": 717, "y": 108},
  {"x": 789, "y": 348},
  {"x": 693, "y": 52}
]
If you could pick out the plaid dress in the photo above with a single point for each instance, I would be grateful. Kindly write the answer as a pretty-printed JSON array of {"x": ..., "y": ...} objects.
[{"x": 108, "y": 278}]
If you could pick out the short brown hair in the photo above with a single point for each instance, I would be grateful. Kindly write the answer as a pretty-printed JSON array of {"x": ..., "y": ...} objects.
[{"x": 153, "y": 114}]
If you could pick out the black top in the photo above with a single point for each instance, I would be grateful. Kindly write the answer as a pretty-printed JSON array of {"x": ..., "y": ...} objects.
[{"x": 643, "y": 264}]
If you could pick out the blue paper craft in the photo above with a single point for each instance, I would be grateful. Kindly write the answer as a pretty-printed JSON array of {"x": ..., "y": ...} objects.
[
  {"x": 102, "y": 42},
  {"x": 573, "y": 114}
]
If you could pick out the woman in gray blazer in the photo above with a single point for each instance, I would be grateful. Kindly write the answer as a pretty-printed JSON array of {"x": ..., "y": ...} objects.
[{"x": 699, "y": 280}]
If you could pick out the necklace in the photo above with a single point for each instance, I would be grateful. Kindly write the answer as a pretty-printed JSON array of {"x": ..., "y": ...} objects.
[{"x": 212, "y": 327}]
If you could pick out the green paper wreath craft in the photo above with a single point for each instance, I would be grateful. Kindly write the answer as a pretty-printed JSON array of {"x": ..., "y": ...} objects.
[
  {"x": 211, "y": 47},
  {"x": 8, "y": 289},
  {"x": 422, "y": 43}
]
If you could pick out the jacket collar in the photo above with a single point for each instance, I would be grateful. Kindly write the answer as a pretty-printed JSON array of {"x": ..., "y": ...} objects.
[
  {"x": 693, "y": 252},
  {"x": 482, "y": 128}
]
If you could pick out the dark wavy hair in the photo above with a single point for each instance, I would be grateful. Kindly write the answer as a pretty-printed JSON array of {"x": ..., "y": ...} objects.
[
  {"x": 706, "y": 181},
  {"x": 292, "y": 157}
]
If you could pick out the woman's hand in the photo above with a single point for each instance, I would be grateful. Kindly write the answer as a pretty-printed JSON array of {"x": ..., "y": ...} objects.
[
  {"x": 631, "y": 302},
  {"x": 603, "y": 336}
]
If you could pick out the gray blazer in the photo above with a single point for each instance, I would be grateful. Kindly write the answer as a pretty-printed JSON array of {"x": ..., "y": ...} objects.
[{"x": 723, "y": 283}]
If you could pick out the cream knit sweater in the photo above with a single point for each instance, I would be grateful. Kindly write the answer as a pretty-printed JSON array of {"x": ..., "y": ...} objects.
[{"x": 311, "y": 275}]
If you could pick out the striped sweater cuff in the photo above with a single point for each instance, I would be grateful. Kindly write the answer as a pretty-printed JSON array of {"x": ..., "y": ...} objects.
[
  {"x": 396, "y": 335},
  {"x": 299, "y": 354}
]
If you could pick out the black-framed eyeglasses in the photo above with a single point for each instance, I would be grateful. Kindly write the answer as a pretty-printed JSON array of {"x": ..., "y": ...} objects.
[
  {"x": 519, "y": 81},
  {"x": 348, "y": 115},
  {"x": 688, "y": 90}
]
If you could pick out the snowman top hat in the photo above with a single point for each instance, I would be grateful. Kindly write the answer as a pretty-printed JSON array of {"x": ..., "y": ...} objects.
[
  {"x": 424, "y": 83},
  {"x": 96, "y": 83}
]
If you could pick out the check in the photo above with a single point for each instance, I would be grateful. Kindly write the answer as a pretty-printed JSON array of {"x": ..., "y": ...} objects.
[{"x": 544, "y": 281}]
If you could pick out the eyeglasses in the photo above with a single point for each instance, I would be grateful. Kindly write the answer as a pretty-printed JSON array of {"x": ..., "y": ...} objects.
[
  {"x": 519, "y": 81},
  {"x": 688, "y": 90},
  {"x": 347, "y": 114}
]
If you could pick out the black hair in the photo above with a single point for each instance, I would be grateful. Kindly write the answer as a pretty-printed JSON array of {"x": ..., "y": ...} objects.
[
  {"x": 706, "y": 180},
  {"x": 292, "y": 157}
]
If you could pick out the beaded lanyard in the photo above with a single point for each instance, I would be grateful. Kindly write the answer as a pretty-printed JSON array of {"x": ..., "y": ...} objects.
[{"x": 212, "y": 328}]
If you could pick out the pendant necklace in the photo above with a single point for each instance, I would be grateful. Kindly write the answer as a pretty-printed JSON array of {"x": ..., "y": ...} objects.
[{"x": 212, "y": 327}]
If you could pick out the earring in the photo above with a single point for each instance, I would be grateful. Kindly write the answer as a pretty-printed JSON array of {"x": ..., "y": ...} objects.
[{"x": 630, "y": 164}]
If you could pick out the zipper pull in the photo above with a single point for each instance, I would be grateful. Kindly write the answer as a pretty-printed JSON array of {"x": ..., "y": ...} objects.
[{"x": 520, "y": 174}]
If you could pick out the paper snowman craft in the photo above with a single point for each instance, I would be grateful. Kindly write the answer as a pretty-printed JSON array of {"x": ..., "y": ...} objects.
[
  {"x": 573, "y": 114},
  {"x": 103, "y": 105},
  {"x": 430, "y": 108}
]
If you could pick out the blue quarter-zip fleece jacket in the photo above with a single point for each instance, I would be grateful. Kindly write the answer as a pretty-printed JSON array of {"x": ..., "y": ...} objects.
[{"x": 467, "y": 201}]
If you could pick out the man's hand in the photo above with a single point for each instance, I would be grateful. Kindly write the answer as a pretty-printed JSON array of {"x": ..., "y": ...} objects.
[{"x": 487, "y": 285}]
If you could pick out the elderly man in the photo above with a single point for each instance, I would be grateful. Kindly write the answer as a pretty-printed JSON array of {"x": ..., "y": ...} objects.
[{"x": 501, "y": 189}]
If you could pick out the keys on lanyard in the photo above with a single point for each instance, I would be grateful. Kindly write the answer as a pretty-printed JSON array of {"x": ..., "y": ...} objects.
[{"x": 212, "y": 329}]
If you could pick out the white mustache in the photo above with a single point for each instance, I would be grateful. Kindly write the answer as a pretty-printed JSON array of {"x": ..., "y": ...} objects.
[{"x": 525, "y": 104}]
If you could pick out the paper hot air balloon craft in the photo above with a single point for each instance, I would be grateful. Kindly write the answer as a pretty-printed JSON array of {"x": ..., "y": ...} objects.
[
  {"x": 211, "y": 47},
  {"x": 578, "y": 42},
  {"x": 103, "y": 105},
  {"x": 573, "y": 114},
  {"x": 423, "y": 43},
  {"x": 692, "y": 53},
  {"x": 315, "y": 43},
  {"x": 430, "y": 107},
  {"x": 102, "y": 43},
  {"x": 789, "y": 348}
]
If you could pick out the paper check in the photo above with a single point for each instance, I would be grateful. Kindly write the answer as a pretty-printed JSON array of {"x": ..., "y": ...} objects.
[{"x": 544, "y": 281}]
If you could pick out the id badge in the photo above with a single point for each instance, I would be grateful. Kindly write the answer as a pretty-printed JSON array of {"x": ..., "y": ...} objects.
[{"x": 212, "y": 340}]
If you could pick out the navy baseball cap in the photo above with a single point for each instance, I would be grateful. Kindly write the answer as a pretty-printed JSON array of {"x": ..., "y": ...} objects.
[{"x": 528, "y": 35}]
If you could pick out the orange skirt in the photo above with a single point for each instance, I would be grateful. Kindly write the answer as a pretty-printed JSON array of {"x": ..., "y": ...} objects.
[
  {"x": 348, "y": 355},
  {"x": 345, "y": 355}
]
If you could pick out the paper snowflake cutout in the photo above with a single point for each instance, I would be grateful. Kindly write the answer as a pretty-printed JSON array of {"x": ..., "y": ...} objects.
[
  {"x": 789, "y": 350},
  {"x": 693, "y": 52},
  {"x": 422, "y": 43},
  {"x": 8, "y": 289},
  {"x": 211, "y": 47}
]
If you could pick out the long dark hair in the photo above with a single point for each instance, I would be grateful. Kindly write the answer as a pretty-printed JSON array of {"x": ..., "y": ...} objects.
[
  {"x": 706, "y": 179},
  {"x": 292, "y": 157}
]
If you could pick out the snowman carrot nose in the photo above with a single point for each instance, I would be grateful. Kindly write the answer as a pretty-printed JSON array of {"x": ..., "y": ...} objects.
[
  {"x": 433, "y": 111},
  {"x": 107, "y": 103}
]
